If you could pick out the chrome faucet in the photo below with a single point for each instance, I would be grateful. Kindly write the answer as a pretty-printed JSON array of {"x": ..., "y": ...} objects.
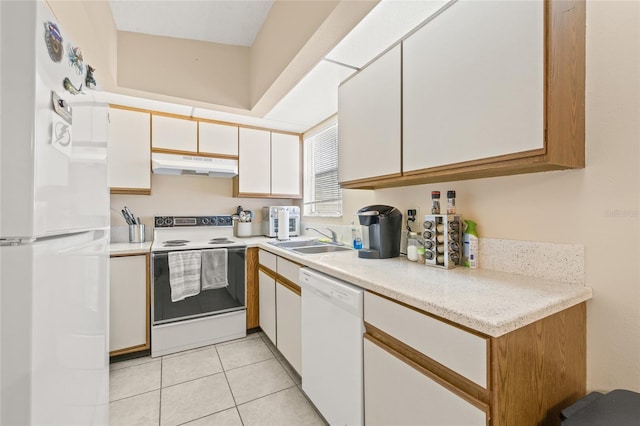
[{"x": 333, "y": 236}]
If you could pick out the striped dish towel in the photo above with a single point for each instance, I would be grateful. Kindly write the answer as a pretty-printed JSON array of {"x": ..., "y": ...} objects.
[{"x": 184, "y": 274}]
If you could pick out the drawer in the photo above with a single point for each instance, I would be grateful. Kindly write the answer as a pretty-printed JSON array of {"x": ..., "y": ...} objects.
[
  {"x": 458, "y": 350},
  {"x": 289, "y": 270},
  {"x": 267, "y": 259}
]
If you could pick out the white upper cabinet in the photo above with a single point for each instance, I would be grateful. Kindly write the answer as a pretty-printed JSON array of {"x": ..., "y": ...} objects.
[
  {"x": 129, "y": 151},
  {"x": 473, "y": 84},
  {"x": 218, "y": 139},
  {"x": 285, "y": 164},
  {"x": 176, "y": 134},
  {"x": 269, "y": 165},
  {"x": 369, "y": 120},
  {"x": 254, "y": 161}
]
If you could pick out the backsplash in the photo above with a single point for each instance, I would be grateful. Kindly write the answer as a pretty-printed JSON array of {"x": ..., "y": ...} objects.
[{"x": 551, "y": 261}]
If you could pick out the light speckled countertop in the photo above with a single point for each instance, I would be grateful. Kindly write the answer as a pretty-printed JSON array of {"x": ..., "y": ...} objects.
[
  {"x": 491, "y": 302},
  {"x": 129, "y": 248}
]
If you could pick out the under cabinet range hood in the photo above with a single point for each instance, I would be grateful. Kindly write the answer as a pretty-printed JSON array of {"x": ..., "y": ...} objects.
[{"x": 176, "y": 164}]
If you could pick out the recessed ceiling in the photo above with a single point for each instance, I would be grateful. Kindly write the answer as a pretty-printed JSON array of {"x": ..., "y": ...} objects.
[{"x": 233, "y": 22}]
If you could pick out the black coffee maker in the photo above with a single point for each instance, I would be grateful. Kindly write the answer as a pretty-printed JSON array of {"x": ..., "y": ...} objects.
[{"x": 385, "y": 230}]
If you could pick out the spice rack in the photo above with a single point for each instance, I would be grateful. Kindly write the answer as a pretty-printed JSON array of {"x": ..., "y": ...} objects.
[{"x": 442, "y": 240}]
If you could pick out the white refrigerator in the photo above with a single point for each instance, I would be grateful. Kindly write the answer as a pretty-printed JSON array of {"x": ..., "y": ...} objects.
[{"x": 54, "y": 227}]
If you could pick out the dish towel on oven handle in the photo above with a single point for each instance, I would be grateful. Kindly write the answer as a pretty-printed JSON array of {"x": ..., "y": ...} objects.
[
  {"x": 184, "y": 274},
  {"x": 214, "y": 269}
]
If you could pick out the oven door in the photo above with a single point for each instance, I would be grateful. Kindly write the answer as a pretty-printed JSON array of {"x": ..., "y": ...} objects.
[{"x": 208, "y": 302}]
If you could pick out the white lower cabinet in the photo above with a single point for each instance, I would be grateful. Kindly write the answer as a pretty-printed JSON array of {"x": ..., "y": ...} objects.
[
  {"x": 129, "y": 304},
  {"x": 289, "y": 331},
  {"x": 267, "y": 302},
  {"x": 280, "y": 306},
  {"x": 398, "y": 394}
]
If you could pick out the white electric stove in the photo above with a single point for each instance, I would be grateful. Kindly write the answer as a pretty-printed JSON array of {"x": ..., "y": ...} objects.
[{"x": 212, "y": 316}]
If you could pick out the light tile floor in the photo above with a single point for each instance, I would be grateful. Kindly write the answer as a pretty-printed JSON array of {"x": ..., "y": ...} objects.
[{"x": 241, "y": 382}]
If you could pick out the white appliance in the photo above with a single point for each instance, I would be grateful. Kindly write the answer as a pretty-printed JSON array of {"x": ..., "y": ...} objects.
[
  {"x": 54, "y": 229},
  {"x": 175, "y": 164},
  {"x": 270, "y": 220},
  {"x": 332, "y": 329},
  {"x": 211, "y": 316}
]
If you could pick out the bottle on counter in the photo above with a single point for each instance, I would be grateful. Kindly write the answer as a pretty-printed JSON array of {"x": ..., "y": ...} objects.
[
  {"x": 435, "y": 202},
  {"x": 470, "y": 244},
  {"x": 355, "y": 236},
  {"x": 451, "y": 202},
  {"x": 412, "y": 246},
  {"x": 421, "y": 255}
]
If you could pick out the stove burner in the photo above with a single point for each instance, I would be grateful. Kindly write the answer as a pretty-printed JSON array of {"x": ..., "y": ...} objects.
[
  {"x": 223, "y": 240},
  {"x": 175, "y": 243}
]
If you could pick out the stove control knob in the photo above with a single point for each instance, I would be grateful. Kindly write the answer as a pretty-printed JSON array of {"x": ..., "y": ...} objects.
[
  {"x": 205, "y": 220},
  {"x": 159, "y": 221},
  {"x": 212, "y": 220},
  {"x": 227, "y": 220},
  {"x": 168, "y": 221}
]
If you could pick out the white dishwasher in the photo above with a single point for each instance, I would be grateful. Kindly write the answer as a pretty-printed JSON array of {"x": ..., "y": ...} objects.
[{"x": 332, "y": 328}]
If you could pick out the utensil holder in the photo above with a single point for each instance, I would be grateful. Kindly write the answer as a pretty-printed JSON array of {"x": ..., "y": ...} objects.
[
  {"x": 243, "y": 229},
  {"x": 136, "y": 233}
]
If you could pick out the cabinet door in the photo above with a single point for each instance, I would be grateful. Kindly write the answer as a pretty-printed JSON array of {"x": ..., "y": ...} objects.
[
  {"x": 288, "y": 320},
  {"x": 473, "y": 84},
  {"x": 369, "y": 120},
  {"x": 176, "y": 134},
  {"x": 285, "y": 164},
  {"x": 397, "y": 394},
  {"x": 254, "y": 162},
  {"x": 129, "y": 151},
  {"x": 267, "y": 297},
  {"x": 218, "y": 139},
  {"x": 129, "y": 304}
]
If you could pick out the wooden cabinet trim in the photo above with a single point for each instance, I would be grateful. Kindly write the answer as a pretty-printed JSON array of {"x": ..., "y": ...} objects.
[
  {"x": 128, "y": 108},
  {"x": 130, "y": 350},
  {"x": 253, "y": 290},
  {"x": 459, "y": 385},
  {"x": 147, "y": 344},
  {"x": 130, "y": 191},
  {"x": 539, "y": 369},
  {"x": 289, "y": 284},
  {"x": 284, "y": 281},
  {"x": 481, "y": 162},
  {"x": 268, "y": 272},
  {"x": 172, "y": 115},
  {"x": 199, "y": 154},
  {"x": 129, "y": 255},
  {"x": 204, "y": 120},
  {"x": 565, "y": 83}
]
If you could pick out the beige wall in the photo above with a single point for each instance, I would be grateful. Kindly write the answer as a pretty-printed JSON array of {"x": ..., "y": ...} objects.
[
  {"x": 598, "y": 206},
  {"x": 190, "y": 69},
  {"x": 187, "y": 195}
]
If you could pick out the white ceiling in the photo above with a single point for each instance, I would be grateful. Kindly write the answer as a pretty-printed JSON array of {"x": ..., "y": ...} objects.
[{"x": 235, "y": 22}]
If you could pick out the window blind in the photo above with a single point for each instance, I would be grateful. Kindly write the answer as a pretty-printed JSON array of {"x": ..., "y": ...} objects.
[{"x": 322, "y": 193}]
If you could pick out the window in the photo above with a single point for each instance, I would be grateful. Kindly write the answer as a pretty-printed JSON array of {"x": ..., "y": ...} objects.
[{"x": 322, "y": 194}]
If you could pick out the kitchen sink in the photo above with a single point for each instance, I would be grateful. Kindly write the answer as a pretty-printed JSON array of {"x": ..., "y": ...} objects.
[
  {"x": 293, "y": 244},
  {"x": 310, "y": 246},
  {"x": 326, "y": 248}
]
